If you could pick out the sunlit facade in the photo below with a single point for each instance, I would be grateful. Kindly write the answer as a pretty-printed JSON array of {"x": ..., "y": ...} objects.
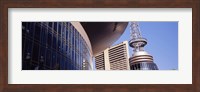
[
  {"x": 113, "y": 58},
  {"x": 141, "y": 60}
]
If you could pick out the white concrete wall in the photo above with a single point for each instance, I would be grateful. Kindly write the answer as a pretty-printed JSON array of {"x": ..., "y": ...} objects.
[{"x": 106, "y": 58}]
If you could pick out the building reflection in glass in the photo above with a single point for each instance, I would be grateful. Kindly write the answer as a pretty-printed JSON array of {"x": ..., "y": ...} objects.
[{"x": 53, "y": 46}]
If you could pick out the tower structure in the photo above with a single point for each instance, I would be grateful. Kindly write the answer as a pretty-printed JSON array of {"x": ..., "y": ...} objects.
[{"x": 140, "y": 59}]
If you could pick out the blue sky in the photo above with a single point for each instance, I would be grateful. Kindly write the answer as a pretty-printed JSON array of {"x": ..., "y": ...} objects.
[{"x": 162, "y": 42}]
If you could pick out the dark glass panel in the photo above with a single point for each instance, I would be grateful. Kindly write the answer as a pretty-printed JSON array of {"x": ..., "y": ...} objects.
[
  {"x": 151, "y": 66},
  {"x": 24, "y": 24},
  {"x": 139, "y": 65},
  {"x": 42, "y": 52},
  {"x": 35, "y": 52},
  {"x": 66, "y": 48},
  {"x": 34, "y": 66},
  {"x": 23, "y": 44},
  {"x": 23, "y": 28},
  {"x": 37, "y": 32},
  {"x": 73, "y": 38},
  {"x": 59, "y": 44},
  {"x": 50, "y": 24},
  {"x": 62, "y": 63},
  {"x": 73, "y": 67},
  {"x": 49, "y": 39},
  {"x": 73, "y": 60},
  {"x": 70, "y": 65},
  {"x": 54, "y": 42},
  {"x": 156, "y": 67},
  {"x": 28, "y": 46},
  {"x": 44, "y": 36},
  {"x": 55, "y": 26},
  {"x": 66, "y": 35},
  {"x": 30, "y": 27},
  {"x": 27, "y": 54},
  {"x": 58, "y": 60},
  {"x": 136, "y": 65},
  {"x": 48, "y": 58},
  {"x": 81, "y": 60},
  {"x": 57, "y": 64},
  {"x": 53, "y": 64},
  {"x": 63, "y": 31},
  {"x": 136, "y": 68},
  {"x": 66, "y": 64},
  {"x": 59, "y": 28},
  {"x": 133, "y": 67},
  {"x": 42, "y": 58}
]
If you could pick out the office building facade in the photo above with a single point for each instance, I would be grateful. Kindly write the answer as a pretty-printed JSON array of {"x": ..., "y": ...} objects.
[
  {"x": 100, "y": 61},
  {"x": 54, "y": 45},
  {"x": 113, "y": 58}
]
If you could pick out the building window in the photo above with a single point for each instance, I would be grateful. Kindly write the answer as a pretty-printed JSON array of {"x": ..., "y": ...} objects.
[
  {"x": 48, "y": 58},
  {"x": 59, "y": 45},
  {"x": 44, "y": 36},
  {"x": 59, "y": 28},
  {"x": 23, "y": 28},
  {"x": 49, "y": 40},
  {"x": 49, "y": 50},
  {"x": 55, "y": 26},
  {"x": 30, "y": 27},
  {"x": 53, "y": 64},
  {"x": 50, "y": 24},
  {"x": 62, "y": 62},
  {"x": 54, "y": 42},
  {"x": 35, "y": 52},
  {"x": 42, "y": 52},
  {"x": 37, "y": 33}
]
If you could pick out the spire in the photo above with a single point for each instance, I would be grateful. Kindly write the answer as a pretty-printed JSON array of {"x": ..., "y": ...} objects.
[
  {"x": 137, "y": 41},
  {"x": 140, "y": 59}
]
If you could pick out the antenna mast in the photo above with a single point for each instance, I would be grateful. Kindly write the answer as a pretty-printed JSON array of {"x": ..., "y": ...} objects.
[{"x": 140, "y": 59}]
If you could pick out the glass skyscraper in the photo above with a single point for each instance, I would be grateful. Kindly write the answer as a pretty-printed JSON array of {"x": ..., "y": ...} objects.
[{"x": 54, "y": 46}]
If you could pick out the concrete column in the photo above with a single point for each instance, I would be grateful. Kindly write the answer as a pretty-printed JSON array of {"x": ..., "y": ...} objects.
[
  {"x": 106, "y": 57},
  {"x": 127, "y": 58}
]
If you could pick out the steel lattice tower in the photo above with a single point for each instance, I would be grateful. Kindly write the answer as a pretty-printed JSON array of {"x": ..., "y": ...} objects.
[{"x": 140, "y": 59}]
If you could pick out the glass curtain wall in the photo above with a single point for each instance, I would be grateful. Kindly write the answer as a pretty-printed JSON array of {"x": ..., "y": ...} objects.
[{"x": 53, "y": 46}]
